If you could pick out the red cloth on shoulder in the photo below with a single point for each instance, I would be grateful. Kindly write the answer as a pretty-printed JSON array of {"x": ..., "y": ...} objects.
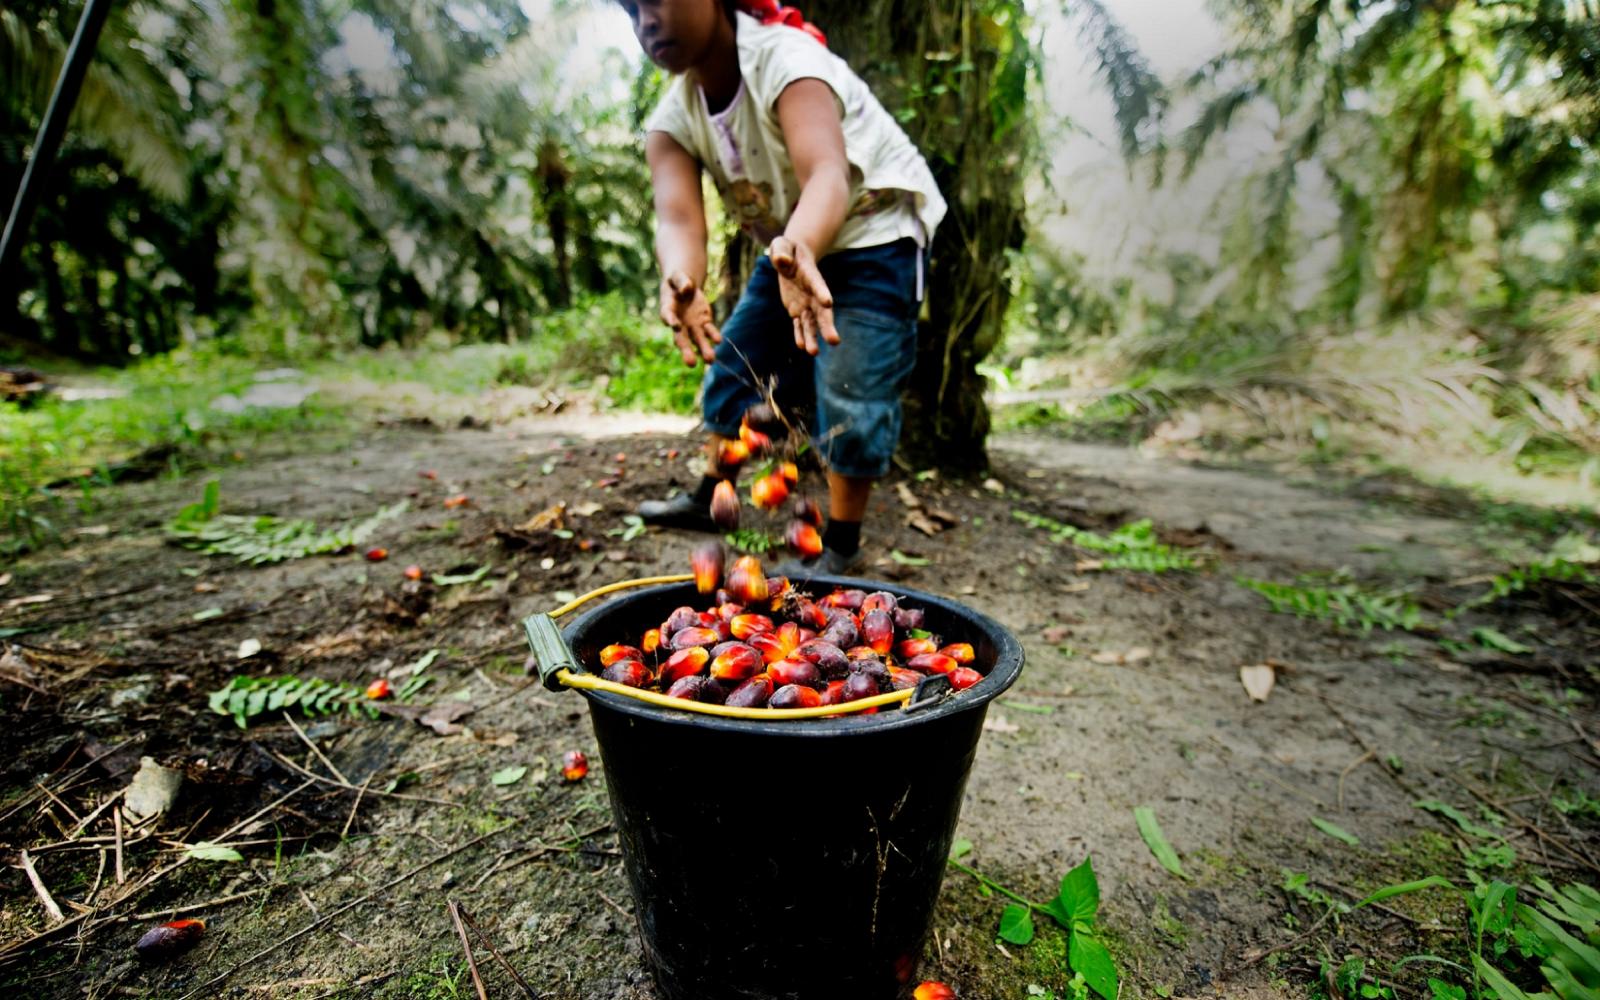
[{"x": 772, "y": 12}]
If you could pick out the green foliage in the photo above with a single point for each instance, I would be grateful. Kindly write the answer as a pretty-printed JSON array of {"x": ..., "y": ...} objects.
[
  {"x": 1559, "y": 934},
  {"x": 1075, "y": 908},
  {"x": 1157, "y": 841},
  {"x": 1133, "y": 546},
  {"x": 1572, "y": 560},
  {"x": 244, "y": 699},
  {"x": 265, "y": 539},
  {"x": 1346, "y": 605}
]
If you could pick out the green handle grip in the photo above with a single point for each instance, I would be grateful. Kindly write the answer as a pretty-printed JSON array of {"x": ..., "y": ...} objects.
[{"x": 550, "y": 652}]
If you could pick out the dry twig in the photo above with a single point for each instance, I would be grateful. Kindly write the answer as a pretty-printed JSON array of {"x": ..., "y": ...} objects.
[
  {"x": 39, "y": 889},
  {"x": 466, "y": 946}
]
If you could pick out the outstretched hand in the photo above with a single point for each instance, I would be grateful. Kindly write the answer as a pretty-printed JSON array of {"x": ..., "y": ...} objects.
[
  {"x": 686, "y": 310},
  {"x": 805, "y": 295}
]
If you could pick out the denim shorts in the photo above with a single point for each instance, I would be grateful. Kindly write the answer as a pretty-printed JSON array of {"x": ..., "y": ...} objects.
[{"x": 851, "y": 390}]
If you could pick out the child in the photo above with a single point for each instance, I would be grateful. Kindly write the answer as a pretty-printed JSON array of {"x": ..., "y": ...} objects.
[{"x": 813, "y": 166}]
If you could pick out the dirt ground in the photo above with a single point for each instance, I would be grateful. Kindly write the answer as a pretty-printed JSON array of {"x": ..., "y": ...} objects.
[{"x": 1131, "y": 697}]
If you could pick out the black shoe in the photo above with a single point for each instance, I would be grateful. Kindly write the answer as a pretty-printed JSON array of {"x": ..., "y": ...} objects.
[
  {"x": 830, "y": 563},
  {"x": 682, "y": 511}
]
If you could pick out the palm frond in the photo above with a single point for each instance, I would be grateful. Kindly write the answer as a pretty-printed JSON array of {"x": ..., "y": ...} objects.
[{"x": 1138, "y": 97}]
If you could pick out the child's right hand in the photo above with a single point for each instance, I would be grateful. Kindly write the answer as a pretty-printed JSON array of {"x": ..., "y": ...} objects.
[{"x": 686, "y": 310}]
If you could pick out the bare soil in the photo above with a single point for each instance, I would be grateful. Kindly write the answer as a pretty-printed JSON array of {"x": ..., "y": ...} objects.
[{"x": 117, "y": 662}]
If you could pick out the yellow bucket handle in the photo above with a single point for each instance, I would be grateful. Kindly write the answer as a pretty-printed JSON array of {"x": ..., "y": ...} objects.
[{"x": 590, "y": 682}]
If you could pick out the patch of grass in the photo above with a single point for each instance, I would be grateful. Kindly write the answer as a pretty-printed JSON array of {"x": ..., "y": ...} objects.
[
  {"x": 1133, "y": 546},
  {"x": 164, "y": 403},
  {"x": 1345, "y": 604}
]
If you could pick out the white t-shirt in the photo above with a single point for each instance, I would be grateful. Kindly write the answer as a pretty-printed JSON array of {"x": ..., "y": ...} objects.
[{"x": 892, "y": 192}]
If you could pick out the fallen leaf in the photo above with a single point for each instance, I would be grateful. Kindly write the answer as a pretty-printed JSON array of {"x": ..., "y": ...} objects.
[
  {"x": 907, "y": 497},
  {"x": 509, "y": 775},
  {"x": 1258, "y": 680},
  {"x": 923, "y": 523},
  {"x": 207, "y": 614},
  {"x": 997, "y": 723},
  {"x": 17, "y": 602},
  {"x": 1076, "y": 588},
  {"x": 207, "y": 851},
  {"x": 5, "y": 578},
  {"x": 249, "y": 648},
  {"x": 153, "y": 789},
  {"x": 1110, "y": 657},
  {"x": 589, "y": 509},
  {"x": 908, "y": 559},
  {"x": 994, "y": 486},
  {"x": 1056, "y": 634},
  {"x": 944, "y": 516},
  {"x": 549, "y": 519},
  {"x": 96, "y": 530},
  {"x": 1088, "y": 565}
]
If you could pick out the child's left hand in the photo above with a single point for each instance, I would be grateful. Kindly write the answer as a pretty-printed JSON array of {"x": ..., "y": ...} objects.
[{"x": 805, "y": 294}]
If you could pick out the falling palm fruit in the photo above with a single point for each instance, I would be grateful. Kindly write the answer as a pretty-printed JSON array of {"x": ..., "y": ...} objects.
[
  {"x": 790, "y": 473},
  {"x": 725, "y": 506},
  {"x": 378, "y": 689},
  {"x": 763, "y": 417},
  {"x": 769, "y": 492},
  {"x": 730, "y": 457},
  {"x": 169, "y": 940},
  {"x": 377, "y": 554},
  {"x": 747, "y": 583},
  {"x": 707, "y": 561},
  {"x": 931, "y": 990},
  {"x": 804, "y": 539},
  {"x": 806, "y": 509},
  {"x": 755, "y": 440},
  {"x": 574, "y": 765}
]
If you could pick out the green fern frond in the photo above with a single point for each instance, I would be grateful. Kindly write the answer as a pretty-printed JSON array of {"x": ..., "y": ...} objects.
[
  {"x": 1345, "y": 605},
  {"x": 258, "y": 541}
]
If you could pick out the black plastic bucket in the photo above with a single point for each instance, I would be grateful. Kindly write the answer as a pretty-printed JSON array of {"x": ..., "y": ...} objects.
[{"x": 794, "y": 860}]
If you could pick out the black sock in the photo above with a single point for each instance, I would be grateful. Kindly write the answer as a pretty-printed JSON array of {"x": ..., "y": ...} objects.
[
  {"x": 702, "y": 493},
  {"x": 843, "y": 537}
]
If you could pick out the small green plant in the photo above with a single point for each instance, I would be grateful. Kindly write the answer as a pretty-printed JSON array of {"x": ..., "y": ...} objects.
[
  {"x": 266, "y": 539},
  {"x": 752, "y": 540},
  {"x": 1560, "y": 933},
  {"x": 246, "y": 698},
  {"x": 1346, "y": 605},
  {"x": 1134, "y": 546},
  {"x": 1552, "y": 568},
  {"x": 1075, "y": 908}
]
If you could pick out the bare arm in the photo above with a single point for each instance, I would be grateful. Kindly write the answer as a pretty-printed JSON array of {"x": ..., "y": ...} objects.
[
  {"x": 681, "y": 246},
  {"x": 808, "y": 113}
]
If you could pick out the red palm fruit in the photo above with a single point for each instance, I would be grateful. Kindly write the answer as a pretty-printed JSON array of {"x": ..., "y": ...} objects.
[
  {"x": 651, "y": 641},
  {"x": 169, "y": 940},
  {"x": 745, "y": 626},
  {"x": 961, "y": 652},
  {"x": 574, "y": 765},
  {"x": 769, "y": 492},
  {"x": 857, "y": 653},
  {"x": 858, "y": 686},
  {"x": 962, "y": 678},
  {"x": 795, "y": 696},
  {"x": 790, "y": 472},
  {"x": 789, "y": 632},
  {"x": 695, "y": 636},
  {"x": 771, "y": 646},
  {"x": 716, "y": 692},
  {"x": 687, "y": 688},
  {"x": 877, "y": 630},
  {"x": 727, "y": 611},
  {"x": 731, "y": 454},
  {"x": 803, "y": 539},
  {"x": 777, "y": 586},
  {"x": 753, "y": 693},
  {"x": 909, "y": 618},
  {"x": 709, "y": 619},
  {"x": 707, "y": 561},
  {"x": 757, "y": 441},
  {"x": 806, "y": 509},
  {"x": 907, "y": 648},
  {"x": 746, "y": 582},
  {"x": 736, "y": 663},
  {"x": 881, "y": 599},
  {"x": 722, "y": 597},
  {"x": 810, "y": 614},
  {"x": 725, "y": 506},
  {"x": 842, "y": 630},
  {"x": 681, "y": 618},
  {"x": 833, "y": 694},
  {"x": 763, "y": 417},
  {"x": 786, "y": 672},
  {"x": 830, "y": 659},
  {"x": 378, "y": 554},
  {"x": 630, "y": 672},
  {"x": 931, "y": 990},
  {"x": 616, "y": 651},
  {"x": 805, "y": 635},
  {"x": 874, "y": 669},
  {"x": 413, "y": 572},
  {"x": 379, "y": 689},
  {"x": 931, "y": 663},
  {"x": 724, "y": 633},
  {"x": 684, "y": 663},
  {"x": 902, "y": 680}
]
